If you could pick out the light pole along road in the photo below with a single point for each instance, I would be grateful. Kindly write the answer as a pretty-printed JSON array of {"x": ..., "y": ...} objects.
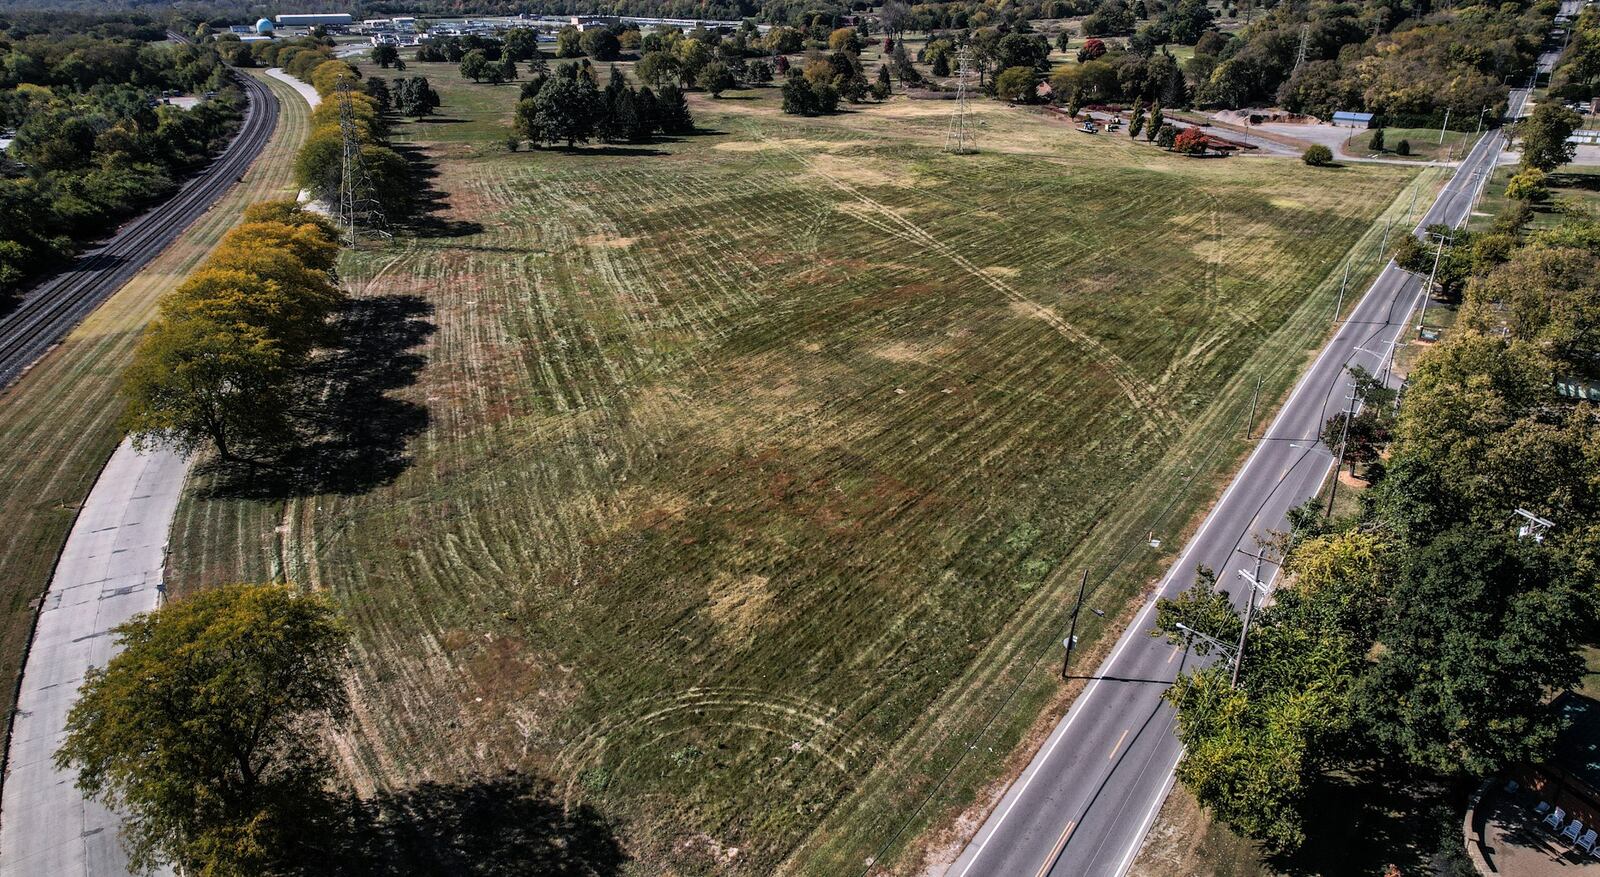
[{"x": 1084, "y": 804}]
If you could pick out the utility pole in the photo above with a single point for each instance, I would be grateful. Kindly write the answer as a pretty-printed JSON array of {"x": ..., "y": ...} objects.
[
  {"x": 1250, "y": 425},
  {"x": 1254, "y": 581},
  {"x": 1072, "y": 632},
  {"x": 1444, "y": 126},
  {"x": 1427, "y": 291},
  {"x": 1344, "y": 436}
]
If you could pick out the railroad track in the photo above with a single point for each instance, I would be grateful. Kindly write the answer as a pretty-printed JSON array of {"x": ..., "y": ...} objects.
[{"x": 51, "y": 309}]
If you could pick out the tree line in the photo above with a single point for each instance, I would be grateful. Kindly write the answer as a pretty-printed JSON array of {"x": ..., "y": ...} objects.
[
  {"x": 1423, "y": 632},
  {"x": 220, "y": 365},
  {"x": 568, "y": 108},
  {"x": 93, "y": 142},
  {"x": 319, "y": 165}
]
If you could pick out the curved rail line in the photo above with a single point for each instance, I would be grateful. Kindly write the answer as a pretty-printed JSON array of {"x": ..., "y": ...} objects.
[{"x": 50, "y": 310}]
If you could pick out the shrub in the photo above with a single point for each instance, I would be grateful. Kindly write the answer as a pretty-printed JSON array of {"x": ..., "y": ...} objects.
[
  {"x": 1376, "y": 142},
  {"x": 1529, "y": 185},
  {"x": 1317, "y": 155},
  {"x": 1402, "y": 148},
  {"x": 1190, "y": 141}
]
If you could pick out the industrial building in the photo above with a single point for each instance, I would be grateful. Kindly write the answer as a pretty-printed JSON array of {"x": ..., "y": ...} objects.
[{"x": 316, "y": 19}]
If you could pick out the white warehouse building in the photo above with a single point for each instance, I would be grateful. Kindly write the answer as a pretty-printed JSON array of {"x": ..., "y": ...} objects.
[{"x": 316, "y": 19}]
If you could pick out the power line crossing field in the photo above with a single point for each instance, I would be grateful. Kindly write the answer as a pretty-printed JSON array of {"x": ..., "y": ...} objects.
[{"x": 759, "y": 465}]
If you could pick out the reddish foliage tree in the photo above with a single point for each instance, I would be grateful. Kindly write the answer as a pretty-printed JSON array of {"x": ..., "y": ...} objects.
[
  {"x": 1191, "y": 141},
  {"x": 1093, "y": 48}
]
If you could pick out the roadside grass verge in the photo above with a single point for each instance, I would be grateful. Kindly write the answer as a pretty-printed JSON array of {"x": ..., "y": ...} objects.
[{"x": 760, "y": 465}]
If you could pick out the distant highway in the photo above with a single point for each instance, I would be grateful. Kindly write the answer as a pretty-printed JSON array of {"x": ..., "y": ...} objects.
[
  {"x": 1085, "y": 803},
  {"x": 50, "y": 310}
]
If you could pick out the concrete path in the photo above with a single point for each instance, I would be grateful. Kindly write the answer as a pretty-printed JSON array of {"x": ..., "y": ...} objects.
[
  {"x": 109, "y": 571},
  {"x": 306, "y": 91}
]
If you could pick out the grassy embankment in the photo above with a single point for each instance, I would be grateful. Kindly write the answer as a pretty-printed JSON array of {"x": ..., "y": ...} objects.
[
  {"x": 58, "y": 424},
  {"x": 760, "y": 465}
]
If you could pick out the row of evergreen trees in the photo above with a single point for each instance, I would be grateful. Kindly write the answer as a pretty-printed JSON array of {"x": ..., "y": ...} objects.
[{"x": 569, "y": 108}]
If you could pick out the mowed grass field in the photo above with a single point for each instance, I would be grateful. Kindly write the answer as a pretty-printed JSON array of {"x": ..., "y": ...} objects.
[
  {"x": 57, "y": 424},
  {"x": 761, "y": 465}
]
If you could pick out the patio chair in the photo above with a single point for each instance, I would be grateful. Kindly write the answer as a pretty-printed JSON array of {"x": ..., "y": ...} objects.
[
  {"x": 1586, "y": 843},
  {"x": 1556, "y": 819},
  {"x": 1573, "y": 829},
  {"x": 1542, "y": 809},
  {"x": 1511, "y": 787}
]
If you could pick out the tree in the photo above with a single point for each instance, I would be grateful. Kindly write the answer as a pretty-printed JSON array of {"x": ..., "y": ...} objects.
[
  {"x": 893, "y": 17},
  {"x": 1403, "y": 147},
  {"x": 941, "y": 64},
  {"x": 1544, "y": 136},
  {"x": 1166, "y": 137},
  {"x": 882, "y": 86},
  {"x": 384, "y": 55},
  {"x": 798, "y": 98},
  {"x": 672, "y": 111},
  {"x": 1317, "y": 155},
  {"x": 475, "y": 65},
  {"x": 521, "y": 44},
  {"x": 377, "y": 88},
  {"x": 1016, "y": 84},
  {"x": 1366, "y": 434},
  {"x": 1136, "y": 120},
  {"x": 716, "y": 78},
  {"x": 1093, "y": 48},
  {"x": 1375, "y": 143},
  {"x": 658, "y": 68},
  {"x": 565, "y": 110},
  {"x": 1529, "y": 184},
  {"x": 600, "y": 44},
  {"x": 569, "y": 43},
  {"x": 1482, "y": 627},
  {"x": 1152, "y": 129},
  {"x": 206, "y": 728},
  {"x": 845, "y": 39},
  {"x": 194, "y": 380}
]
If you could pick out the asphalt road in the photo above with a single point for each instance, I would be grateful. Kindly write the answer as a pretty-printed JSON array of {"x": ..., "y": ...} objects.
[
  {"x": 1085, "y": 803},
  {"x": 48, "y": 312}
]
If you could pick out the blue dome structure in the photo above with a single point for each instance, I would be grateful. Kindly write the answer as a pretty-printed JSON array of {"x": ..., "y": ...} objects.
[{"x": 265, "y": 27}]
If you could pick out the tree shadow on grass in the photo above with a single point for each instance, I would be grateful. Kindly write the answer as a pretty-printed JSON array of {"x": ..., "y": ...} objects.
[
  {"x": 428, "y": 203},
  {"x": 354, "y": 433},
  {"x": 505, "y": 826},
  {"x": 1364, "y": 821}
]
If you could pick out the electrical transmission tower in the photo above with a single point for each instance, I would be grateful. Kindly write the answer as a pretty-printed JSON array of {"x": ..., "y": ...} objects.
[
  {"x": 963, "y": 136},
  {"x": 359, "y": 212},
  {"x": 1305, "y": 41}
]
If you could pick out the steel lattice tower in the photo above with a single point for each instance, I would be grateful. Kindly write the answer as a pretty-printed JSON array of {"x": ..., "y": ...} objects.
[
  {"x": 359, "y": 212},
  {"x": 962, "y": 138},
  {"x": 1300, "y": 54}
]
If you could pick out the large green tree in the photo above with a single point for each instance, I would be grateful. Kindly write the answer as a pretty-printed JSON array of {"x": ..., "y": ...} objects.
[
  {"x": 1544, "y": 136},
  {"x": 205, "y": 729}
]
